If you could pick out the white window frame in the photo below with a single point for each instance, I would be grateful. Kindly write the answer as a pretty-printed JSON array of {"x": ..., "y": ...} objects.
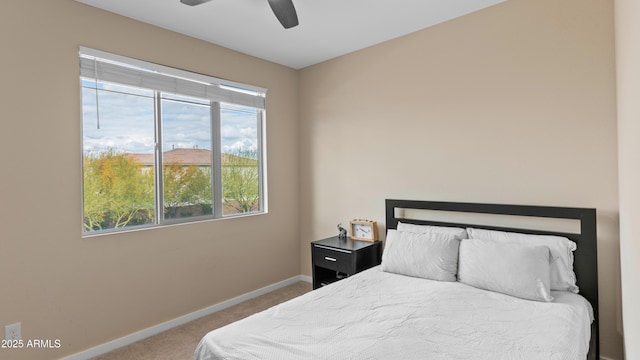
[{"x": 104, "y": 66}]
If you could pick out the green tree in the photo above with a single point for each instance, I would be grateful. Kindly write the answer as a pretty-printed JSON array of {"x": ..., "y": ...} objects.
[
  {"x": 116, "y": 191},
  {"x": 94, "y": 214},
  {"x": 240, "y": 181},
  {"x": 119, "y": 191},
  {"x": 185, "y": 186}
]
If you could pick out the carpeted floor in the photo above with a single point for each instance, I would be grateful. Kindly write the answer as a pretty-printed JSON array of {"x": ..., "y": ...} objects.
[{"x": 179, "y": 343}]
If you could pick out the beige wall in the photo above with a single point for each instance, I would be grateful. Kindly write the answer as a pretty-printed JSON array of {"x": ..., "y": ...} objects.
[
  {"x": 627, "y": 13},
  {"x": 512, "y": 104},
  {"x": 89, "y": 291}
]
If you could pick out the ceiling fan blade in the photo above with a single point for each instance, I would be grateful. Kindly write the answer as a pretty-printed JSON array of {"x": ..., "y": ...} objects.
[
  {"x": 194, "y": 2},
  {"x": 285, "y": 12}
]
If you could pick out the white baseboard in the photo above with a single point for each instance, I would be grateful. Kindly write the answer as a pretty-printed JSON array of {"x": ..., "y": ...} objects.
[{"x": 154, "y": 330}]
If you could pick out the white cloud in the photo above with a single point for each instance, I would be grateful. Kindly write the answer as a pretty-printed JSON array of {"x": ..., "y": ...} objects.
[{"x": 126, "y": 124}]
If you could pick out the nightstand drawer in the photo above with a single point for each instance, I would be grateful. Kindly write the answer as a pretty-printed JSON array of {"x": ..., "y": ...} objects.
[{"x": 333, "y": 259}]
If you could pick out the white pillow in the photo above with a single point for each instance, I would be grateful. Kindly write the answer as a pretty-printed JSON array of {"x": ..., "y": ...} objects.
[
  {"x": 512, "y": 269},
  {"x": 429, "y": 256},
  {"x": 561, "y": 264},
  {"x": 459, "y": 233}
]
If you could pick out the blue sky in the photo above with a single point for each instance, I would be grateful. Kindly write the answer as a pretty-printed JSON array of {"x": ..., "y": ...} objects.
[{"x": 127, "y": 122}]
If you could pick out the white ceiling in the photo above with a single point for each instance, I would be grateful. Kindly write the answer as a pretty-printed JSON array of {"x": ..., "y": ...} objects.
[{"x": 328, "y": 28}]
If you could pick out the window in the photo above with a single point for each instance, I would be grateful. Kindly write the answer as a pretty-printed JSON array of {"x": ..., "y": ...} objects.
[{"x": 162, "y": 145}]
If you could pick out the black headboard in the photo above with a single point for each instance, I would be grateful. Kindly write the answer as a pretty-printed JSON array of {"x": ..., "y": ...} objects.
[{"x": 585, "y": 263}]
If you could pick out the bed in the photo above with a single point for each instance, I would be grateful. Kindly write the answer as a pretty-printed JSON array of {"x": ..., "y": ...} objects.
[{"x": 382, "y": 314}]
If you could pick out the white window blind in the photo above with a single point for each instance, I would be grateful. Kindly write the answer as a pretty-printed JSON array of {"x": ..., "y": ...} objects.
[{"x": 102, "y": 66}]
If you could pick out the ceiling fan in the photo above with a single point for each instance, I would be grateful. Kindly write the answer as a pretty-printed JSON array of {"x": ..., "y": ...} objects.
[{"x": 283, "y": 9}]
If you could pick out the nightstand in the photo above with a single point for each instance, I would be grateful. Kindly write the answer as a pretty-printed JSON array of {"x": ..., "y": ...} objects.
[{"x": 333, "y": 258}]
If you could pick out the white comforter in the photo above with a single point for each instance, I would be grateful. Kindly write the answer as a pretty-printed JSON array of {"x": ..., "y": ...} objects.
[{"x": 378, "y": 315}]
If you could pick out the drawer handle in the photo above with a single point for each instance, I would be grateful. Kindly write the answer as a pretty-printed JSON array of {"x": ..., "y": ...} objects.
[{"x": 330, "y": 258}]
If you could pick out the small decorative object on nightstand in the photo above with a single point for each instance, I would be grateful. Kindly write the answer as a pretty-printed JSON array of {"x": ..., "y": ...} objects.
[
  {"x": 342, "y": 232},
  {"x": 333, "y": 259},
  {"x": 365, "y": 230}
]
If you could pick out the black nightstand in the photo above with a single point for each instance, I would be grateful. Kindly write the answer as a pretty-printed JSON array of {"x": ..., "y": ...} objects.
[{"x": 333, "y": 259}]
